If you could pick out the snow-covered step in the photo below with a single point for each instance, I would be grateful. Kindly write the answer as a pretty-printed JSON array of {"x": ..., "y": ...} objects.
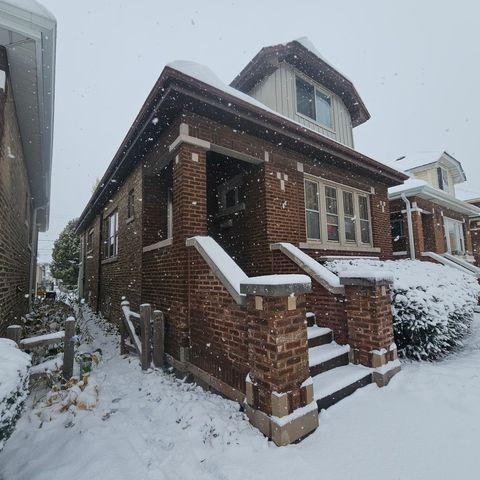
[
  {"x": 319, "y": 336},
  {"x": 332, "y": 386},
  {"x": 326, "y": 357}
]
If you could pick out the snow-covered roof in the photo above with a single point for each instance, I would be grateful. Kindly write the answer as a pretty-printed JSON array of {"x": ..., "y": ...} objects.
[
  {"x": 419, "y": 160},
  {"x": 304, "y": 56},
  {"x": 414, "y": 187}
]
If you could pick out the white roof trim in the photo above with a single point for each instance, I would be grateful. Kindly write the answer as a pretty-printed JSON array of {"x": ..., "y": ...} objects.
[{"x": 437, "y": 196}]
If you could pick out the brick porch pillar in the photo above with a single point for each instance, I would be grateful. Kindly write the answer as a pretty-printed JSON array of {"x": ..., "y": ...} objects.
[
  {"x": 279, "y": 390},
  {"x": 189, "y": 219},
  {"x": 370, "y": 322}
]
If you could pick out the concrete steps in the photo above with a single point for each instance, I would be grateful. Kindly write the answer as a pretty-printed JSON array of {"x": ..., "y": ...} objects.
[{"x": 334, "y": 377}]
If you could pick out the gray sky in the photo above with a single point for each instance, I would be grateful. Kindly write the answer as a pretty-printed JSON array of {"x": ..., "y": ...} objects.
[{"x": 415, "y": 64}]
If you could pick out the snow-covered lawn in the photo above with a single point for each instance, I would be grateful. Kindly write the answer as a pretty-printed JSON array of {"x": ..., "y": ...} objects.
[{"x": 424, "y": 425}]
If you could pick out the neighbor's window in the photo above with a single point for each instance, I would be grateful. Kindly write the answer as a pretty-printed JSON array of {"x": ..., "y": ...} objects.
[
  {"x": 336, "y": 214},
  {"x": 312, "y": 208},
  {"x": 111, "y": 230},
  {"x": 443, "y": 183},
  {"x": 313, "y": 103},
  {"x": 90, "y": 240},
  {"x": 131, "y": 204},
  {"x": 396, "y": 223}
]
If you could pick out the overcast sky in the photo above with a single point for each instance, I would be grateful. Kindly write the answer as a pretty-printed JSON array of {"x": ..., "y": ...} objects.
[{"x": 414, "y": 63}]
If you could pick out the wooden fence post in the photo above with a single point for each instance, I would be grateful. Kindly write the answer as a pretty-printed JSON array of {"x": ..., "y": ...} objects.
[
  {"x": 125, "y": 305},
  {"x": 68, "y": 348},
  {"x": 158, "y": 338},
  {"x": 145, "y": 329},
  {"x": 14, "y": 332}
]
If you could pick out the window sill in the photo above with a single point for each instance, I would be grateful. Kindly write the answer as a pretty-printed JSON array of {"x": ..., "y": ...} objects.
[
  {"x": 129, "y": 220},
  {"x": 109, "y": 260},
  {"x": 316, "y": 122},
  {"x": 156, "y": 246},
  {"x": 338, "y": 248},
  {"x": 229, "y": 211}
]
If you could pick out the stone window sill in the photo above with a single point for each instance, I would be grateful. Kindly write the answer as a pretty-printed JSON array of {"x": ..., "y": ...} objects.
[
  {"x": 129, "y": 220},
  {"x": 156, "y": 246},
  {"x": 109, "y": 260},
  {"x": 338, "y": 248}
]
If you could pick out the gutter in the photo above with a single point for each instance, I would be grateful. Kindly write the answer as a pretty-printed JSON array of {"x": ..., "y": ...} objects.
[{"x": 411, "y": 240}]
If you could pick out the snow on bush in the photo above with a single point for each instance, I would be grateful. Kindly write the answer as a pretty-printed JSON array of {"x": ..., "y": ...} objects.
[
  {"x": 432, "y": 304},
  {"x": 14, "y": 373}
]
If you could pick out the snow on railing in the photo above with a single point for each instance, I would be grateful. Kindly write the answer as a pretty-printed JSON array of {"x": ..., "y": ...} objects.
[
  {"x": 318, "y": 272},
  {"x": 222, "y": 265}
]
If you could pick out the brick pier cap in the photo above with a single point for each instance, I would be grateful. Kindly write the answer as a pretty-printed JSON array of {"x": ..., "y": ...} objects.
[
  {"x": 276, "y": 285},
  {"x": 365, "y": 277}
]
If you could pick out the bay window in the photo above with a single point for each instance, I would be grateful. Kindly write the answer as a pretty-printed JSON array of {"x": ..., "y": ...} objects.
[{"x": 336, "y": 214}]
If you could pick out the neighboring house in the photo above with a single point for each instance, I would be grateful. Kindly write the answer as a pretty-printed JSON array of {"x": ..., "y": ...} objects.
[
  {"x": 427, "y": 219},
  {"x": 475, "y": 230},
  {"x": 214, "y": 184},
  {"x": 27, "y": 66}
]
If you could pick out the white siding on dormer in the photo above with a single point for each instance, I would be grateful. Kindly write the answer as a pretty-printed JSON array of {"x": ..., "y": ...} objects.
[
  {"x": 277, "y": 92},
  {"x": 430, "y": 176}
]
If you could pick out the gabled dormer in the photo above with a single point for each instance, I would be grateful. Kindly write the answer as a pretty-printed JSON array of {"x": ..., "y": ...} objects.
[
  {"x": 439, "y": 169},
  {"x": 294, "y": 80}
]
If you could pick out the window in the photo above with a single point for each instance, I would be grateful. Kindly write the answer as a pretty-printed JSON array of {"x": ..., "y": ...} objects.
[
  {"x": 443, "y": 183},
  {"x": 336, "y": 214},
  {"x": 90, "y": 240},
  {"x": 169, "y": 213},
  {"x": 313, "y": 103},
  {"x": 131, "y": 204},
  {"x": 396, "y": 223},
  {"x": 111, "y": 234},
  {"x": 364, "y": 219},
  {"x": 312, "y": 208},
  {"x": 349, "y": 217},
  {"x": 229, "y": 195},
  {"x": 332, "y": 214}
]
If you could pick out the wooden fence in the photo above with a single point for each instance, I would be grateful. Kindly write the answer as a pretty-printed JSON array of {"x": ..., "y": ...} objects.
[
  {"x": 14, "y": 332},
  {"x": 143, "y": 334}
]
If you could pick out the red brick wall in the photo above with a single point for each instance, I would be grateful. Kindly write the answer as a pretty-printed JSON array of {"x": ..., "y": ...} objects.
[{"x": 15, "y": 220}]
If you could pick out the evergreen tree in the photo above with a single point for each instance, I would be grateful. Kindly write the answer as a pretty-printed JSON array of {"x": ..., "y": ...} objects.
[{"x": 65, "y": 255}]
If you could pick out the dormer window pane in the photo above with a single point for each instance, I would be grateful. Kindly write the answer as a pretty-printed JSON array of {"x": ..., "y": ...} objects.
[
  {"x": 323, "y": 109},
  {"x": 305, "y": 98},
  {"x": 443, "y": 179}
]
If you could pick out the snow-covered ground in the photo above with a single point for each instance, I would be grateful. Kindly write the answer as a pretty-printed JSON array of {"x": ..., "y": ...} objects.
[{"x": 424, "y": 425}]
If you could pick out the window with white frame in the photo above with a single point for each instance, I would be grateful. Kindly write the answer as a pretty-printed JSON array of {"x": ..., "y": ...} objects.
[
  {"x": 336, "y": 214},
  {"x": 313, "y": 103},
  {"x": 111, "y": 235}
]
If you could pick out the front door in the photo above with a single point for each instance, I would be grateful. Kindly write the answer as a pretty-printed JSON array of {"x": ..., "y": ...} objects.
[{"x": 454, "y": 236}]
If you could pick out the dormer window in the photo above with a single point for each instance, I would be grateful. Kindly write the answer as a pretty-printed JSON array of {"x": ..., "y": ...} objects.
[
  {"x": 313, "y": 103},
  {"x": 442, "y": 175}
]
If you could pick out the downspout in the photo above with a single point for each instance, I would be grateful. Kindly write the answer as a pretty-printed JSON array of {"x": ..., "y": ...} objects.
[
  {"x": 411, "y": 241},
  {"x": 33, "y": 259}
]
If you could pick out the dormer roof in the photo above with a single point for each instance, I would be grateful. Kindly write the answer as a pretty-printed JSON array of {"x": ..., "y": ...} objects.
[
  {"x": 416, "y": 162},
  {"x": 303, "y": 55}
]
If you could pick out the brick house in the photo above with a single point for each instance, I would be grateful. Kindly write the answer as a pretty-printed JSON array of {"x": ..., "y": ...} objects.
[
  {"x": 215, "y": 189},
  {"x": 428, "y": 220},
  {"x": 475, "y": 230},
  {"x": 27, "y": 64}
]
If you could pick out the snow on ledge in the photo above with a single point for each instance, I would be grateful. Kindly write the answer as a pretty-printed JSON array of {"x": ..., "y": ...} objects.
[
  {"x": 14, "y": 365},
  {"x": 318, "y": 272},
  {"x": 222, "y": 265},
  {"x": 369, "y": 274},
  {"x": 287, "y": 279}
]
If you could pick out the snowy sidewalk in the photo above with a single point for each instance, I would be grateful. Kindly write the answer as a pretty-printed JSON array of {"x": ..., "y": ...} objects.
[{"x": 424, "y": 425}]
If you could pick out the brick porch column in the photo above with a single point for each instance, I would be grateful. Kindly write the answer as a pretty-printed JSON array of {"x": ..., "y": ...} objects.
[
  {"x": 279, "y": 390},
  {"x": 370, "y": 322},
  {"x": 189, "y": 219}
]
